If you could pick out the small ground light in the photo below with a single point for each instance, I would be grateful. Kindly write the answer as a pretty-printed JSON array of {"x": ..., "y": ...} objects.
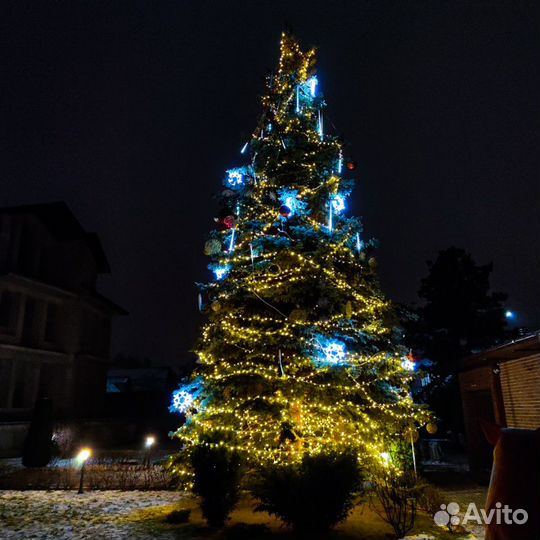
[
  {"x": 82, "y": 457},
  {"x": 510, "y": 315}
]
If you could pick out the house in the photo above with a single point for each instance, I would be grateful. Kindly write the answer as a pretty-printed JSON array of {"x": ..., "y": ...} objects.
[
  {"x": 55, "y": 328},
  {"x": 500, "y": 385}
]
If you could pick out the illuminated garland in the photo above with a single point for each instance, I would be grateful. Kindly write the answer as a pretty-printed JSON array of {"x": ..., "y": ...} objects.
[{"x": 298, "y": 354}]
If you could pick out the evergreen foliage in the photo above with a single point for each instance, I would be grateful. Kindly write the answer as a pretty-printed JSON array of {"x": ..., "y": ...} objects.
[{"x": 301, "y": 354}]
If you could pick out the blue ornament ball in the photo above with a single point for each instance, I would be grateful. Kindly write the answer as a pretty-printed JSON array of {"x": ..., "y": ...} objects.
[{"x": 284, "y": 210}]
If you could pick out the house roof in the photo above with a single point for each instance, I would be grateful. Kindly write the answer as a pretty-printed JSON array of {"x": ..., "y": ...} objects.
[
  {"x": 63, "y": 225},
  {"x": 517, "y": 348}
]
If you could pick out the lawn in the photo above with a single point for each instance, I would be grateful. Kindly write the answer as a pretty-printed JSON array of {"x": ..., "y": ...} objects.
[{"x": 140, "y": 515}]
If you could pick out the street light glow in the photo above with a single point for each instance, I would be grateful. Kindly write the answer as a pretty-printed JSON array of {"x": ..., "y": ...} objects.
[
  {"x": 149, "y": 441},
  {"x": 84, "y": 454}
]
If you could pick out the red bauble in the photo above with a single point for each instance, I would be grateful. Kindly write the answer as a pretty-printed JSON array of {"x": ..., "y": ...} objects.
[
  {"x": 284, "y": 210},
  {"x": 228, "y": 221},
  {"x": 351, "y": 165}
]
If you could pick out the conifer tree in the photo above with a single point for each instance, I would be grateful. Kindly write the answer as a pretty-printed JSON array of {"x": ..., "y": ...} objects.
[{"x": 300, "y": 354}]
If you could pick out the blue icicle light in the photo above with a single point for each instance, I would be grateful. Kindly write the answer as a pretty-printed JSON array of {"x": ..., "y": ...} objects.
[
  {"x": 359, "y": 243},
  {"x": 312, "y": 83},
  {"x": 231, "y": 241}
]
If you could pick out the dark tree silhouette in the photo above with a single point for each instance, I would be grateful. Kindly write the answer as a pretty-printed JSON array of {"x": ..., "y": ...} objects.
[
  {"x": 460, "y": 315},
  {"x": 38, "y": 443}
]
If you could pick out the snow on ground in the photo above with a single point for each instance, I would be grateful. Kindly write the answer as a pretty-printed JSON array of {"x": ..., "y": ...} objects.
[
  {"x": 66, "y": 515},
  {"x": 140, "y": 515}
]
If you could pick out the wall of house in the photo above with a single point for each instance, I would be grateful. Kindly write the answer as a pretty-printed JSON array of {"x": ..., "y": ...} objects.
[
  {"x": 54, "y": 330},
  {"x": 480, "y": 395},
  {"x": 520, "y": 384},
  {"x": 47, "y": 336},
  {"x": 99, "y": 434}
]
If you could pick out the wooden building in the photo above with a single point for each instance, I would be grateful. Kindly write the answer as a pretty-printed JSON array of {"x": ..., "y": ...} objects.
[{"x": 500, "y": 385}]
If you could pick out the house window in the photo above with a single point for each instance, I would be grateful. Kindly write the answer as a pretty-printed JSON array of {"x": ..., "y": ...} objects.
[
  {"x": 29, "y": 313},
  {"x": 6, "y": 305},
  {"x": 28, "y": 322},
  {"x": 20, "y": 389},
  {"x": 51, "y": 323},
  {"x": 6, "y": 367}
]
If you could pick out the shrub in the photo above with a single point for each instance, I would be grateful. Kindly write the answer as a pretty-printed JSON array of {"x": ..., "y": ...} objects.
[
  {"x": 217, "y": 479},
  {"x": 397, "y": 494},
  {"x": 37, "y": 450},
  {"x": 311, "y": 496},
  {"x": 178, "y": 516},
  {"x": 430, "y": 498}
]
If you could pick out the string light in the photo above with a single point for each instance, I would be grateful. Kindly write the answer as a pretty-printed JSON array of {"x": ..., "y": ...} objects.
[{"x": 300, "y": 336}]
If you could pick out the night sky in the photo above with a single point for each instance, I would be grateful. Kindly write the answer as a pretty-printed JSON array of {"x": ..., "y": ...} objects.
[{"x": 131, "y": 112}]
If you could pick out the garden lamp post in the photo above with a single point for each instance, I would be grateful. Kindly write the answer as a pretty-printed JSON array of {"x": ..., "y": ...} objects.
[
  {"x": 148, "y": 444},
  {"x": 82, "y": 457}
]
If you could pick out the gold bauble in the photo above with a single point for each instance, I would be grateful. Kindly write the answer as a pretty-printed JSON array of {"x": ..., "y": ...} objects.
[
  {"x": 431, "y": 428},
  {"x": 298, "y": 315},
  {"x": 212, "y": 247}
]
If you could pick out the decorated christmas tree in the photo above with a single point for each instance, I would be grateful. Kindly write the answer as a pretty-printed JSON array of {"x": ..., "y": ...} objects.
[{"x": 300, "y": 354}]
